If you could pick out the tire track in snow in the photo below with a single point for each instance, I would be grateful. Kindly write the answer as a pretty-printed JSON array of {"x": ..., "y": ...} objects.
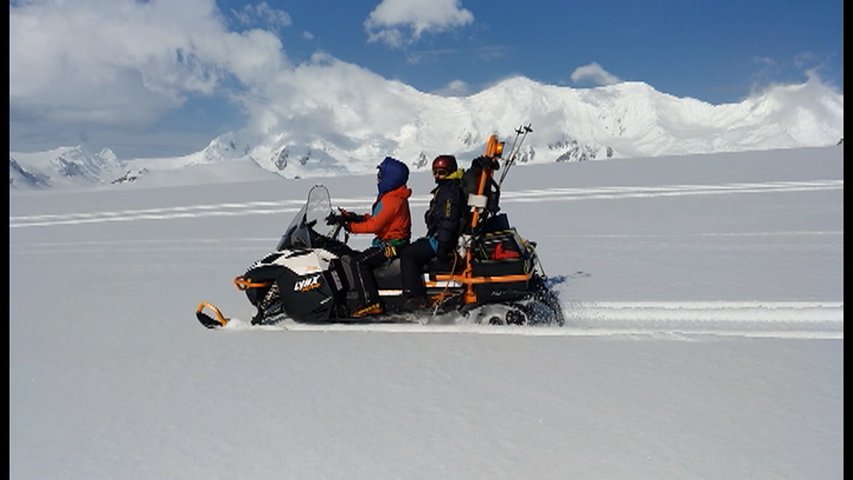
[{"x": 291, "y": 206}]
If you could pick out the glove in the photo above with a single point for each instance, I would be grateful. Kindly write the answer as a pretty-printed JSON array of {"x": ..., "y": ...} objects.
[
  {"x": 333, "y": 219},
  {"x": 350, "y": 216}
]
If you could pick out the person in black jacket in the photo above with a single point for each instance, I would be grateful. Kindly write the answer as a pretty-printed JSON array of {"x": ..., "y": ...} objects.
[{"x": 444, "y": 219}]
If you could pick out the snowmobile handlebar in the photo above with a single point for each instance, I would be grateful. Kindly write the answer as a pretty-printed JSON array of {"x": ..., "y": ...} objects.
[
  {"x": 334, "y": 219},
  {"x": 343, "y": 217}
]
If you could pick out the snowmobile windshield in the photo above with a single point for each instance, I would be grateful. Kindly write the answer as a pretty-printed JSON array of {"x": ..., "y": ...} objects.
[{"x": 308, "y": 228}]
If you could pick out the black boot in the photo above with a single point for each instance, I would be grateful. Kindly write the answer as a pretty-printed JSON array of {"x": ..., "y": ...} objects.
[{"x": 413, "y": 301}]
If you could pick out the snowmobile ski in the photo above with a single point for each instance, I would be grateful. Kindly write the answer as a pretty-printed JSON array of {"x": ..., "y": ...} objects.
[{"x": 207, "y": 320}]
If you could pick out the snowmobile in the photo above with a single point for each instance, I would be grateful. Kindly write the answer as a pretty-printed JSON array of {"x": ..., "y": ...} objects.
[{"x": 495, "y": 276}]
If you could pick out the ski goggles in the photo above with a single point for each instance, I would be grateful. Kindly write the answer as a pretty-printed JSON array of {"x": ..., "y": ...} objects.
[{"x": 440, "y": 172}]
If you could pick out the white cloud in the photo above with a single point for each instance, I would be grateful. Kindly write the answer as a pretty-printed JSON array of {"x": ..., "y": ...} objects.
[
  {"x": 329, "y": 98},
  {"x": 392, "y": 19},
  {"x": 122, "y": 62},
  {"x": 802, "y": 65},
  {"x": 263, "y": 14},
  {"x": 105, "y": 63},
  {"x": 594, "y": 73},
  {"x": 456, "y": 88}
]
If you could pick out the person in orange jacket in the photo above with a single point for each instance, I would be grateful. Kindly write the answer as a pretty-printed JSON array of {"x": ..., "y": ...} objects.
[{"x": 391, "y": 221}]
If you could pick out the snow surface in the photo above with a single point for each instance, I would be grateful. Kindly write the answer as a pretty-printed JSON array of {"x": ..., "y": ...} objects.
[{"x": 704, "y": 338}]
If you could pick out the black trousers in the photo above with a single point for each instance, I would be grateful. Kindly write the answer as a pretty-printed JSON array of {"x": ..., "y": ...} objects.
[
  {"x": 412, "y": 261},
  {"x": 363, "y": 265}
]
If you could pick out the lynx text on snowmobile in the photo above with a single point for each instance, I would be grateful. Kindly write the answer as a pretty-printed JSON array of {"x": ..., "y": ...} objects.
[{"x": 496, "y": 276}]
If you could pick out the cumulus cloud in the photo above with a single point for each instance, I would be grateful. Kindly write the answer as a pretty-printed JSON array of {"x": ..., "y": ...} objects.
[
  {"x": 400, "y": 22},
  {"x": 124, "y": 62},
  {"x": 595, "y": 74},
  {"x": 327, "y": 96},
  {"x": 123, "y": 65}
]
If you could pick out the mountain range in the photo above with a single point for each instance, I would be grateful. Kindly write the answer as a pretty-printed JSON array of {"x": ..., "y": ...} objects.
[{"x": 343, "y": 137}]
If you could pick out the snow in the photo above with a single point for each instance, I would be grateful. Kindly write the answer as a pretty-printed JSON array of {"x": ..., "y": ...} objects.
[{"x": 704, "y": 336}]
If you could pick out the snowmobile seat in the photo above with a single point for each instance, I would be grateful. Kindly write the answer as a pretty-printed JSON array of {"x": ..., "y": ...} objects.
[
  {"x": 387, "y": 275},
  {"x": 444, "y": 266}
]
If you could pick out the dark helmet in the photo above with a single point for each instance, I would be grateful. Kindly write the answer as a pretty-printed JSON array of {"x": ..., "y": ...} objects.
[{"x": 444, "y": 163}]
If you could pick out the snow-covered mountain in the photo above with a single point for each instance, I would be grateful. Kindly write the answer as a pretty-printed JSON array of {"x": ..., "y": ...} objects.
[
  {"x": 63, "y": 167},
  {"x": 348, "y": 130}
]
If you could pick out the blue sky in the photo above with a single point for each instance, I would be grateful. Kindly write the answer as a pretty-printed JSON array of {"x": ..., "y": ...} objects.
[
  {"x": 160, "y": 78},
  {"x": 713, "y": 51}
]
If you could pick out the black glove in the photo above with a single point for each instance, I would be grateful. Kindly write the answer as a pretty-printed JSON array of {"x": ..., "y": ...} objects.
[
  {"x": 334, "y": 219},
  {"x": 350, "y": 216}
]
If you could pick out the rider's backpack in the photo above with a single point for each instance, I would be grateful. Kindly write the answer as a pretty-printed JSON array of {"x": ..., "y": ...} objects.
[{"x": 471, "y": 180}]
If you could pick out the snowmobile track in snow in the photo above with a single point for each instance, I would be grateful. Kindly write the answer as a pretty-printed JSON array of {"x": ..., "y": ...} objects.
[
  {"x": 775, "y": 319},
  {"x": 543, "y": 195},
  {"x": 667, "y": 320}
]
